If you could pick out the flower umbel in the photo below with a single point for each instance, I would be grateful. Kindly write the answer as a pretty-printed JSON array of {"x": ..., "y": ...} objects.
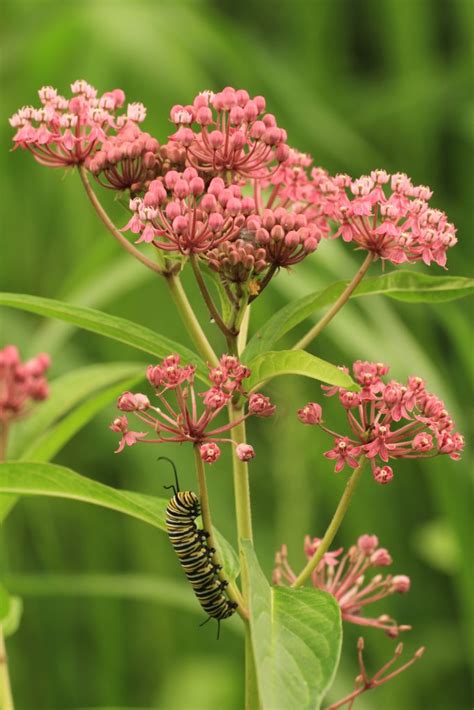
[
  {"x": 389, "y": 216},
  {"x": 387, "y": 421},
  {"x": 21, "y": 383},
  {"x": 179, "y": 418},
  {"x": 346, "y": 579},
  {"x": 65, "y": 131},
  {"x": 363, "y": 683}
]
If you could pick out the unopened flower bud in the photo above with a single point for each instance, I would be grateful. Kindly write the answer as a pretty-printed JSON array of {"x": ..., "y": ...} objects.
[
  {"x": 245, "y": 452},
  {"x": 310, "y": 413}
]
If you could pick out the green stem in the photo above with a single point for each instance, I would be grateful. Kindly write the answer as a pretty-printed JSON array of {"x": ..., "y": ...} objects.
[
  {"x": 333, "y": 527},
  {"x": 232, "y": 591},
  {"x": 173, "y": 281},
  {"x": 189, "y": 319},
  {"x": 336, "y": 307},
  {"x": 6, "y": 698},
  {"x": 251, "y": 687},
  {"x": 123, "y": 241},
  {"x": 214, "y": 313}
]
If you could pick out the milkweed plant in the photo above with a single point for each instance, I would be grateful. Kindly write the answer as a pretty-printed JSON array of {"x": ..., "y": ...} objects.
[{"x": 226, "y": 197}]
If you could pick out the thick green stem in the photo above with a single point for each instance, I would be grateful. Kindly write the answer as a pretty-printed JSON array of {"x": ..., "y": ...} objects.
[
  {"x": 232, "y": 590},
  {"x": 336, "y": 307},
  {"x": 334, "y": 525},
  {"x": 189, "y": 319},
  {"x": 251, "y": 687}
]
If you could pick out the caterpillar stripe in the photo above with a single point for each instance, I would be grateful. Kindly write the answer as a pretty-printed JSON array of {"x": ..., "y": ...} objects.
[{"x": 195, "y": 555}]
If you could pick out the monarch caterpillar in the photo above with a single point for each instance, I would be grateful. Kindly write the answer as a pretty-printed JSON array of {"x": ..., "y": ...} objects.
[{"x": 194, "y": 553}]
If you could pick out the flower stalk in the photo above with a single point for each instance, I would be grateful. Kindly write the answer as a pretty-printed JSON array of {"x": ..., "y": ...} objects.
[
  {"x": 336, "y": 307},
  {"x": 333, "y": 527}
]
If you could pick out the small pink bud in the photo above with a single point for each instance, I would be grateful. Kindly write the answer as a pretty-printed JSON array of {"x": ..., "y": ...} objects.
[
  {"x": 401, "y": 583},
  {"x": 209, "y": 452},
  {"x": 311, "y": 413},
  {"x": 367, "y": 543},
  {"x": 245, "y": 452},
  {"x": 381, "y": 558},
  {"x": 130, "y": 402}
]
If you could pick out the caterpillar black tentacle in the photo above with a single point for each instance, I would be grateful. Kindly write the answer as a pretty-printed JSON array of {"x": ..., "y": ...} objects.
[{"x": 196, "y": 557}]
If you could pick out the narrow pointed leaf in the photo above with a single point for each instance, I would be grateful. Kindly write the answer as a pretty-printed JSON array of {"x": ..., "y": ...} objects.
[
  {"x": 296, "y": 637},
  {"x": 408, "y": 286},
  {"x": 296, "y": 362},
  {"x": 41, "y": 479},
  {"x": 125, "y": 331}
]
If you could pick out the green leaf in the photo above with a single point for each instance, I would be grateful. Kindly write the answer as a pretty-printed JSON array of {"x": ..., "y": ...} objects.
[
  {"x": 125, "y": 331},
  {"x": 296, "y": 362},
  {"x": 296, "y": 637},
  {"x": 66, "y": 392},
  {"x": 42, "y": 479},
  {"x": 409, "y": 286}
]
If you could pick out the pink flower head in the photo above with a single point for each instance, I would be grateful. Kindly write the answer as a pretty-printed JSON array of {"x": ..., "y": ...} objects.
[
  {"x": 348, "y": 579},
  {"x": 21, "y": 383},
  {"x": 387, "y": 420},
  {"x": 127, "y": 160},
  {"x": 389, "y": 217},
  {"x": 183, "y": 414},
  {"x": 311, "y": 413},
  {"x": 229, "y": 132},
  {"x": 66, "y": 131},
  {"x": 181, "y": 213}
]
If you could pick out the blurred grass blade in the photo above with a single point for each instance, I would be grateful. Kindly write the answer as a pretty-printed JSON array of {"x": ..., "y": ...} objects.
[
  {"x": 125, "y": 331},
  {"x": 296, "y": 362},
  {"x": 41, "y": 479},
  {"x": 412, "y": 287},
  {"x": 296, "y": 636}
]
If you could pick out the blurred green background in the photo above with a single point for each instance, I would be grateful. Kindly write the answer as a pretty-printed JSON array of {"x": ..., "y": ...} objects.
[{"x": 360, "y": 85}]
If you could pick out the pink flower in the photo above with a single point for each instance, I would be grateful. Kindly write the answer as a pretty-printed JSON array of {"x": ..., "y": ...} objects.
[
  {"x": 186, "y": 415},
  {"x": 387, "y": 421},
  {"x": 393, "y": 222},
  {"x": 66, "y": 132},
  {"x": 311, "y": 413},
  {"x": 348, "y": 579},
  {"x": 261, "y": 405},
  {"x": 233, "y": 133},
  {"x": 209, "y": 452},
  {"x": 21, "y": 384},
  {"x": 344, "y": 453}
]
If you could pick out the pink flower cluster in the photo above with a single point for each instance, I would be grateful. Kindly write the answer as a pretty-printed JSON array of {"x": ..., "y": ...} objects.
[
  {"x": 389, "y": 216},
  {"x": 65, "y": 131},
  {"x": 387, "y": 421},
  {"x": 189, "y": 215},
  {"x": 126, "y": 161},
  {"x": 346, "y": 579},
  {"x": 179, "y": 418},
  {"x": 233, "y": 134},
  {"x": 227, "y": 173},
  {"x": 20, "y": 383}
]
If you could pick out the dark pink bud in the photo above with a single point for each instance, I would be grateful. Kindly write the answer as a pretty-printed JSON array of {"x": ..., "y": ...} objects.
[
  {"x": 216, "y": 139},
  {"x": 401, "y": 583},
  {"x": 204, "y": 116},
  {"x": 260, "y": 405},
  {"x": 130, "y": 402},
  {"x": 311, "y": 413},
  {"x": 381, "y": 558},
  {"x": 383, "y": 474},
  {"x": 181, "y": 189},
  {"x": 245, "y": 452}
]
